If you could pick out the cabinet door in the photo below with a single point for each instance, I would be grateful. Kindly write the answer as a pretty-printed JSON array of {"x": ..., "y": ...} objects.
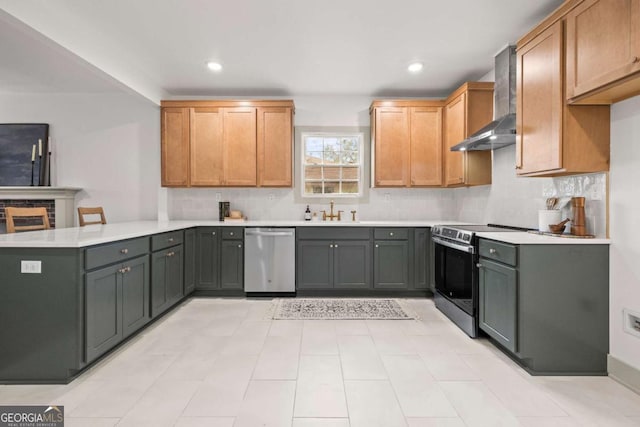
[
  {"x": 351, "y": 264},
  {"x": 314, "y": 267},
  {"x": 603, "y": 44},
  {"x": 426, "y": 146},
  {"x": 275, "y": 147},
  {"x": 135, "y": 295},
  {"x": 540, "y": 103},
  {"x": 455, "y": 131},
  {"x": 175, "y": 147},
  {"x": 232, "y": 264},
  {"x": 103, "y": 310},
  {"x": 206, "y": 147},
  {"x": 239, "y": 147},
  {"x": 421, "y": 242},
  {"x": 189, "y": 261},
  {"x": 159, "y": 301},
  {"x": 391, "y": 264},
  {"x": 207, "y": 259},
  {"x": 175, "y": 274},
  {"x": 498, "y": 302},
  {"x": 391, "y": 146}
]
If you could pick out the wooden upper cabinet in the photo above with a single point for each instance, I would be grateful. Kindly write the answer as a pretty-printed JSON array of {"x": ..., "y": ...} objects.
[
  {"x": 467, "y": 110},
  {"x": 239, "y": 147},
  {"x": 275, "y": 147},
  {"x": 227, "y": 143},
  {"x": 426, "y": 146},
  {"x": 407, "y": 141},
  {"x": 603, "y": 48},
  {"x": 206, "y": 146},
  {"x": 554, "y": 138},
  {"x": 175, "y": 147},
  {"x": 391, "y": 134}
]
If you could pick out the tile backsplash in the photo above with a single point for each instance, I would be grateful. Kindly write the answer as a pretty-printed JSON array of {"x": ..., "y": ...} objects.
[{"x": 509, "y": 200}]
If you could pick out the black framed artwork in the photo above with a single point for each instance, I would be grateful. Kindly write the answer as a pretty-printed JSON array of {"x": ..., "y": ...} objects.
[{"x": 24, "y": 154}]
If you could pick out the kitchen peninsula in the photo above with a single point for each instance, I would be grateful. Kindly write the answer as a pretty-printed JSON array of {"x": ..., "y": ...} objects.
[{"x": 71, "y": 295}]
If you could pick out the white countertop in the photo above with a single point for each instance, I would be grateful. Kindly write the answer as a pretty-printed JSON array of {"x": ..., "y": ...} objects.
[
  {"x": 524, "y": 238},
  {"x": 78, "y": 237}
]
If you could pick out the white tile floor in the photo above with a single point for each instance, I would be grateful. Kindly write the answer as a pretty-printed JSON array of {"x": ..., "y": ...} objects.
[{"x": 218, "y": 362}]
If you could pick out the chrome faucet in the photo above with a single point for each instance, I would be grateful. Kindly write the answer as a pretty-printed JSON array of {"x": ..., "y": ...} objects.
[{"x": 331, "y": 215}]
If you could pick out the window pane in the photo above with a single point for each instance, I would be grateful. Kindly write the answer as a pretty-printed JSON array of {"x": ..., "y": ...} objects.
[
  {"x": 313, "y": 172},
  {"x": 331, "y": 157},
  {"x": 313, "y": 187},
  {"x": 331, "y": 187},
  {"x": 350, "y": 157},
  {"x": 313, "y": 143},
  {"x": 350, "y": 187},
  {"x": 350, "y": 144},
  {"x": 331, "y": 172},
  {"x": 350, "y": 173},
  {"x": 314, "y": 158}
]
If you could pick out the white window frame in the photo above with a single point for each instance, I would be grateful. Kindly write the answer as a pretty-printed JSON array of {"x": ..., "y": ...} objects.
[{"x": 360, "y": 135}]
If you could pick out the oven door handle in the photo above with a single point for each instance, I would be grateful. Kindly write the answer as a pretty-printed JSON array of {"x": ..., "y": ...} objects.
[{"x": 464, "y": 248}]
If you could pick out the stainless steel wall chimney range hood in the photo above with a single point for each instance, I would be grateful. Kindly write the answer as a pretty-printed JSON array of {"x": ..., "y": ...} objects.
[{"x": 502, "y": 131}]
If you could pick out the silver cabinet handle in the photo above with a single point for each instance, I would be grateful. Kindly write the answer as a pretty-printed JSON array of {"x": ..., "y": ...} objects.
[
  {"x": 377, "y": 246},
  {"x": 170, "y": 253},
  {"x": 239, "y": 246},
  {"x": 390, "y": 234},
  {"x": 231, "y": 233},
  {"x": 479, "y": 265},
  {"x": 335, "y": 246},
  {"x": 214, "y": 233},
  {"x": 330, "y": 246},
  {"x": 170, "y": 239},
  {"x": 124, "y": 251},
  {"x": 492, "y": 251}
]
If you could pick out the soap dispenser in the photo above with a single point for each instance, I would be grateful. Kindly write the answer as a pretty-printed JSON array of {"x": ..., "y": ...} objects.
[{"x": 307, "y": 214}]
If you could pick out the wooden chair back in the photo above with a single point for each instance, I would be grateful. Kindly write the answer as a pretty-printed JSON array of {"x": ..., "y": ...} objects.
[
  {"x": 91, "y": 211},
  {"x": 19, "y": 213}
]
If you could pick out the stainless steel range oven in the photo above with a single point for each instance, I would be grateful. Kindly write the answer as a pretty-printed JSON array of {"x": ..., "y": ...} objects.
[{"x": 456, "y": 272}]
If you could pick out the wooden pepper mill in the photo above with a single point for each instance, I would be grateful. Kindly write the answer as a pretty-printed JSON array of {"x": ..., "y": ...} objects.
[{"x": 578, "y": 224}]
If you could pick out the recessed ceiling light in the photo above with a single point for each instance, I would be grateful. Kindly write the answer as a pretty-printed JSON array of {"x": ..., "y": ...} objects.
[
  {"x": 415, "y": 67},
  {"x": 214, "y": 66}
]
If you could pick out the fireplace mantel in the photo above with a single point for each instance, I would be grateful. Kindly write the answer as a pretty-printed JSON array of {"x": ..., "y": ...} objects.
[{"x": 63, "y": 196}]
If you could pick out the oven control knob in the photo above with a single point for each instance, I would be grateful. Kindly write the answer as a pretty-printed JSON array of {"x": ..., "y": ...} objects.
[{"x": 459, "y": 235}]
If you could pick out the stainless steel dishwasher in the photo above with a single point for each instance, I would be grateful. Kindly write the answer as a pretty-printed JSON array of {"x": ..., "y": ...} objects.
[{"x": 270, "y": 260}]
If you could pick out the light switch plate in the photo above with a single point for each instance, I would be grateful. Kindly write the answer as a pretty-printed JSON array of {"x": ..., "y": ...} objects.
[
  {"x": 631, "y": 322},
  {"x": 34, "y": 267}
]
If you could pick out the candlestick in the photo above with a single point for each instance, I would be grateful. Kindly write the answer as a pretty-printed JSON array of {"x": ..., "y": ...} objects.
[
  {"x": 40, "y": 147},
  {"x": 33, "y": 153},
  {"x": 33, "y": 162}
]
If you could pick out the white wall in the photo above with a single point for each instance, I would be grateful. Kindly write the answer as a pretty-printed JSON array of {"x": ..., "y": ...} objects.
[
  {"x": 625, "y": 230},
  {"x": 106, "y": 144}
]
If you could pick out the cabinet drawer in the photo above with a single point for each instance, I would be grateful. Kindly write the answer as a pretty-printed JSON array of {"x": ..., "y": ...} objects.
[
  {"x": 164, "y": 240},
  {"x": 333, "y": 233},
  {"x": 501, "y": 252},
  {"x": 97, "y": 256},
  {"x": 391, "y": 233},
  {"x": 232, "y": 233}
]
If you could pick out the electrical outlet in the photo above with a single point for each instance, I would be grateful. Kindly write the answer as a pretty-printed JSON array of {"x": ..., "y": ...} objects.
[
  {"x": 631, "y": 322},
  {"x": 218, "y": 197},
  {"x": 272, "y": 196},
  {"x": 34, "y": 267},
  {"x": 387, "y": 197}
]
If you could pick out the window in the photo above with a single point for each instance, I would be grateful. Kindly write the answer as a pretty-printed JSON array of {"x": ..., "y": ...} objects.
[{"x": 332, "y": 164}]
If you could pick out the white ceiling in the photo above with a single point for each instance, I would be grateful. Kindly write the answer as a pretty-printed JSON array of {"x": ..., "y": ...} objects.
[{"x": 158, "y": 48}]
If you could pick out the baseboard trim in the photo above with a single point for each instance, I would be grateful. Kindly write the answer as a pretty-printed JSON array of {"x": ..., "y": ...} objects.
[{"x": 624, "y": 373}]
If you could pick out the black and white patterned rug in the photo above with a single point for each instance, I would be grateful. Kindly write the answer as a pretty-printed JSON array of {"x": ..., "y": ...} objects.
[{"x": 338, "y": 309}]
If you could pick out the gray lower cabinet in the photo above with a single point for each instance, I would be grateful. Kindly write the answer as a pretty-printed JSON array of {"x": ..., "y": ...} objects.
[
  {"x": 421, "y": 258},
  {"x": 220, "y": 259},
  {"x": 166, "y": 278},
  {"x": 207, "y": 258},
  {"x": 391, "y": 264},
  {"x": 231, "y": 264},
  {"x": 189, "y": 261},
  {"x": 547, "y": 305},
  {"x": 333, "y": 258},
  {"x": 498, "y": 289},
  {"x": 117, "y": 304}
]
